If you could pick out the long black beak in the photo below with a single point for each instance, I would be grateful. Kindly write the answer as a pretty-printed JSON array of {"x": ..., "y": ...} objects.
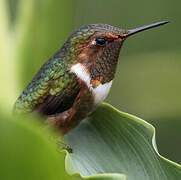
[{"x": 139, "y": 29}]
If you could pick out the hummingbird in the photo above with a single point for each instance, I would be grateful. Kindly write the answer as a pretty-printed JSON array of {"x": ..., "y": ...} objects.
[{"x": 78, "y": 77}]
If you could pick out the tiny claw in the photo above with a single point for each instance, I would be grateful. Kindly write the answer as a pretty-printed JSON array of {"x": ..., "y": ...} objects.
[
  {"x": 65, "y": 146},
  {"x": 68, "y": 148}
]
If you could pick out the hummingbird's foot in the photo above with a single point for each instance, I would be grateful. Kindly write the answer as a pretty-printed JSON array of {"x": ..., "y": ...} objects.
[
  {"x": 65, "y": 146},
  {"x": 61, "y": 144},
  {"x": 68, "y": 148}
]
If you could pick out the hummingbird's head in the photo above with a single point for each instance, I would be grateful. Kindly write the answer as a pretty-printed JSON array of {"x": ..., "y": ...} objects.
[{"x": 97, "y": 47}]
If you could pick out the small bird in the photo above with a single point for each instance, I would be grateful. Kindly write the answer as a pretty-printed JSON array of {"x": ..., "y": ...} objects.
[{"x": 78, "y": 77}]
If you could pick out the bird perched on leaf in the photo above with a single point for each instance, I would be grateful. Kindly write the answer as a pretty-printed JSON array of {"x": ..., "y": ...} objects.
[{"x": 78, "y": 77}]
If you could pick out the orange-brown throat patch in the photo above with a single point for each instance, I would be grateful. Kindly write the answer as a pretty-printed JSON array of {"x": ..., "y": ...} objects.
[{"x": 96, "y": 82}]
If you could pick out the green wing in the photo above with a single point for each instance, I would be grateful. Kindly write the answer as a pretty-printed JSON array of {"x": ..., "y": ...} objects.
[{"x": 51, "y": 91}]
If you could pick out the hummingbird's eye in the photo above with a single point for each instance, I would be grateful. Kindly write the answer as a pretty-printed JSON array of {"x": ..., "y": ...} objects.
[{"x": 101, "y": 41}]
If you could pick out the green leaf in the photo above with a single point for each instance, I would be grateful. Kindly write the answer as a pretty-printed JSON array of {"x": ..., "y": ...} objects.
[
  {"x": 110, "y": 141},
  {"x": 28, "y": 152},
  {"x": 109, "y": 145},
  {"x": 107, "y": 177}
]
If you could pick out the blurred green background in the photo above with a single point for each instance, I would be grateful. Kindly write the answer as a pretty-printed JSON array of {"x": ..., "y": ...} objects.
[{"x": 147, "y": 82}]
